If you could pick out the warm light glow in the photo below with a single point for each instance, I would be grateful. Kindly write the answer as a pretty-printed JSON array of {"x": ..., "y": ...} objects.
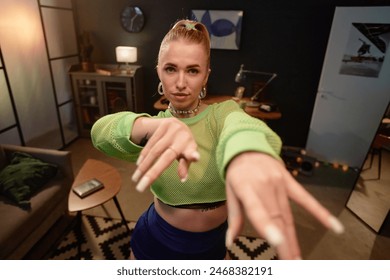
[
  {"x": 126, "y": 54},
  {"x": 345, "y": 167},
  {"x": 21, "y": 22}
]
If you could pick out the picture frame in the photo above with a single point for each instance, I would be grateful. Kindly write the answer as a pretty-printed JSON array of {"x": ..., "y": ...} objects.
[
  {"x": 366, "y": 49},
  {"x": 224, "y": 27}
]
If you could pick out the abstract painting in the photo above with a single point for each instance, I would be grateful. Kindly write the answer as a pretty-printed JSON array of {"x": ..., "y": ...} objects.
[{"x": 224, "y": 27}]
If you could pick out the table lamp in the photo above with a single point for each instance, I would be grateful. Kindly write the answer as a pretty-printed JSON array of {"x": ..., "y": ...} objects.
[
  {"x": 126, "y": 54},
  {"x": 241, "y": 77}
]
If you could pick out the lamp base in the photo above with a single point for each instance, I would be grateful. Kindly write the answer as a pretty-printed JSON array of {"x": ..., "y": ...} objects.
[
  {"x": 252, "y": 104},
  {"x": 125, "y": 70}
]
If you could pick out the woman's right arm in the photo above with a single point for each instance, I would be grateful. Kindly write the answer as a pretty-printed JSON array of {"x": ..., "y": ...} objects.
[
  {"x": 111, "y": 134},
  {"x": 168, "y": 139}
]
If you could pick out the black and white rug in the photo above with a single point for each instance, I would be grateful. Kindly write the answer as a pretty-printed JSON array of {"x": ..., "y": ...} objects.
[{"x": 108, "y": 239}]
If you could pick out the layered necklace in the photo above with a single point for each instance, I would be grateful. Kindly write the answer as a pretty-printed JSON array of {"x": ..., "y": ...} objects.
[{"x": 186, "y": 113}]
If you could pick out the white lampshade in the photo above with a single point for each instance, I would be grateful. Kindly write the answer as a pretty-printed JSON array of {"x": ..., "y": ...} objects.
[{"x": 126, "y": 54}]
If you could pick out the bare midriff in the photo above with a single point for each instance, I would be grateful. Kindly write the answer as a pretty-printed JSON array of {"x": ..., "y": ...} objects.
[{"x": 193, "y": 220}]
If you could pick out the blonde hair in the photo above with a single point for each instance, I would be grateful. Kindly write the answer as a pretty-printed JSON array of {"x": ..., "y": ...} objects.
[{"x": 189, "y": 30}]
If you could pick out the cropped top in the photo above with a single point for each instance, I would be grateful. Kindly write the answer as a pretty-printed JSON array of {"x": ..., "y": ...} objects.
[{"x": 222, "y": 131}]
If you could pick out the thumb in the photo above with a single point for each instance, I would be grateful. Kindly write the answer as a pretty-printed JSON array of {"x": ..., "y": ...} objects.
[
  {"x": 182, "y": 169},
  {"x": 184, "y": 164}
]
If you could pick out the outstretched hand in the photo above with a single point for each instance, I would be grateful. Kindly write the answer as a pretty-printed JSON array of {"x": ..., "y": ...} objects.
[
  {"x": 260, "y": 187},
  {"x": 172, "y": 140}
]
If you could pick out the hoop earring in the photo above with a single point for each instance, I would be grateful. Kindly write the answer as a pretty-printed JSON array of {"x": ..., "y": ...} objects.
[
  {"x": 203, "y": 93},
  {"x": 160, "y": 89}
]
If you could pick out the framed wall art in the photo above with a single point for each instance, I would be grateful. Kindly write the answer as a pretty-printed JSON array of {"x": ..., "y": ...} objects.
[
  {"x": 224, "y": 27},
  {"x": 366, "y": 49}
]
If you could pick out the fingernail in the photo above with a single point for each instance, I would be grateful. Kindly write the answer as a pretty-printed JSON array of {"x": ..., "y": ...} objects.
[
  {"x": 136, "y": 176},
  {"x": 184, "y": 179},
  {"x": 139, "y": 160},
  {"x": 273, "y": 235},
  {"x": 196, "y": 155},
  {"x": 143, "y": 184},
  {"x": 335, "y": 225},
  {"x": 228, "y": 239}
]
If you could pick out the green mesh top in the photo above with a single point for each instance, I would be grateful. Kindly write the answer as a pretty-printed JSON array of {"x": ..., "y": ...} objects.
[{"x": 221, "y": 131}]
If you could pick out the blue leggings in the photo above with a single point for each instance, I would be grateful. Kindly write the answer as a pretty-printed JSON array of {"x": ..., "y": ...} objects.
[{"x": 154, "y": 239}]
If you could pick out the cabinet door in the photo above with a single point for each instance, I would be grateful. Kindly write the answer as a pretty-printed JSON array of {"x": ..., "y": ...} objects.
[
  {"x": 88, "y": 102},
  {"x": 118, "y": 94}
]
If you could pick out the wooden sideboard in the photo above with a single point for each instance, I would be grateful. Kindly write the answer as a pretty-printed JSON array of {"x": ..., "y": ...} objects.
[{"x": 105, "y": 91}]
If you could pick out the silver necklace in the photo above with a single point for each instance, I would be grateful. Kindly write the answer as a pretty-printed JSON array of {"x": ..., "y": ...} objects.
[{"x": 184, "y": 112}]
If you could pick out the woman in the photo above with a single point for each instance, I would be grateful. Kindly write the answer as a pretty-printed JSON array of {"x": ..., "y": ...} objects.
[{"x": 207, "y": 165}]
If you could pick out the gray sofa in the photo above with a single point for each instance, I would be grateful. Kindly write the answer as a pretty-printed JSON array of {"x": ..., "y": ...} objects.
[{"x": 21, "y": 229}]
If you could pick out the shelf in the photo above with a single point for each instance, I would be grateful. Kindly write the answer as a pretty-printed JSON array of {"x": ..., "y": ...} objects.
[
  {"x": 87, "y": 87},
  {"x": 116, "y": 88}
]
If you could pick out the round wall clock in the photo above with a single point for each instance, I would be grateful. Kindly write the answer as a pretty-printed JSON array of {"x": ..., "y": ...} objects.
[{"x": 132, "y": 19}]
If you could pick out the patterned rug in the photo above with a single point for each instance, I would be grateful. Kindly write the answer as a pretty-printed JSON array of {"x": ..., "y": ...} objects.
[{"x": 106, "y": 238}]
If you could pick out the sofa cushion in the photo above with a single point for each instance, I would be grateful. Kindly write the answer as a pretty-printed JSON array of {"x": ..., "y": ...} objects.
[{"x": 25, "y": 174}]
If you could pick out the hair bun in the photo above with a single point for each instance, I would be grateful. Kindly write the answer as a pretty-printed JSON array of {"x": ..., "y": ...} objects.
[{"x": 187, "y": 24}]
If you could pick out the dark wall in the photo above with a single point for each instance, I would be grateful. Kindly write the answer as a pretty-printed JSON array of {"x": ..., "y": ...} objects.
[{"x": 277, "y": 36}]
